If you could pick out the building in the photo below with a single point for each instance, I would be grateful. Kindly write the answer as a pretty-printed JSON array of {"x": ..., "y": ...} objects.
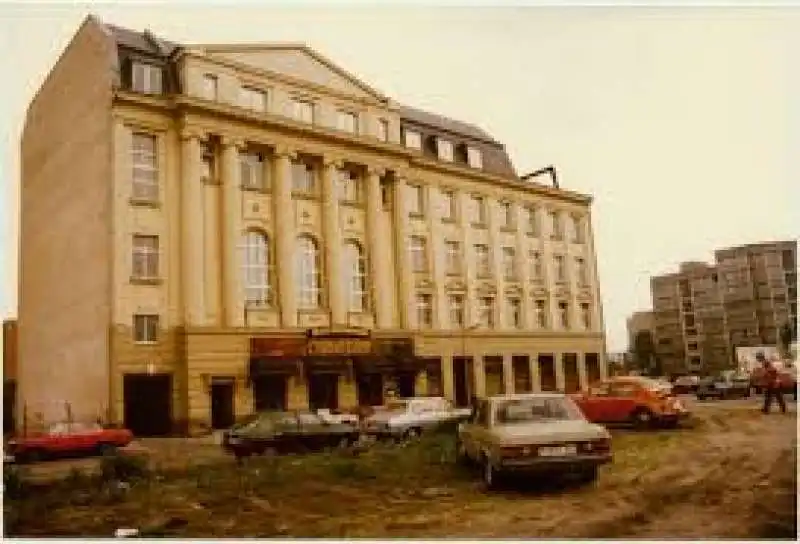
[
  {"x": 10, "y": 359},
  {"x": 638, "y": 322},
  {"x": 215, "y": 229},
  {"x": 703, "y": 312}
]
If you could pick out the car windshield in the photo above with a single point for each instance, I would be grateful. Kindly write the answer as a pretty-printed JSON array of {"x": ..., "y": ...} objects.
[
  {"x": 654, "y": 385},
  {"x": 532, "y": 410}
]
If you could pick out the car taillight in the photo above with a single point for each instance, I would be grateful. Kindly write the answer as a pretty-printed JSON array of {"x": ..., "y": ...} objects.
[
  {"x": 600, "y": 445},
  {"x": 515, "y": 451}
]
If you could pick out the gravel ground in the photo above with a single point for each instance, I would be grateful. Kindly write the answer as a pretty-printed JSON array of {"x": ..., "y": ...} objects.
[{"x": 731, "y": 476}]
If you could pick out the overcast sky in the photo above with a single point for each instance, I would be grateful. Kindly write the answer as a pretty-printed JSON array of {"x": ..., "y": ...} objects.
[{"x": 677, "y": 120}]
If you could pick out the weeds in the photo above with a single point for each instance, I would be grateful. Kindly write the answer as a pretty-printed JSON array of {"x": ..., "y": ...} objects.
[{"x": 123, "y": 468}]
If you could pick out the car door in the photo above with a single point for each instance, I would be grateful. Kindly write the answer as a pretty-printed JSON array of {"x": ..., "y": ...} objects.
[
  {"x": 314, "y": 434},
  {"x": 621, "y": 401},
  {"x": 593, "y": 402}
]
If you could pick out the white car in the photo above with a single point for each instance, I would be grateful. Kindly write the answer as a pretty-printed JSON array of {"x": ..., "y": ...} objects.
[{"x": 409, "y": 417}]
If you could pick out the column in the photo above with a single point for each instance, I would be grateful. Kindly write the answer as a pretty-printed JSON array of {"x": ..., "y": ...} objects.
[
  {"x": 435, "y": 251},
  {"x": 377, "y": 249},
  {"x": 332, "y": 241},
  {"x": 284, "y": 234},
  {"x": 464, "y": 214},
  {"x": 602, "y": 361},
  {"x": 533, "y": 365},
  {"x": 508, "y": 374},
  {"x": 233, "y": 291},
  {"x": 524, "y": 270},
  {"x": 479, "y": 375},
  {"x": 192, "y": 229},
  {"x": 583, "y": 379},
  {"x": 448, "y": 386},
  {"x": 558, "y": 363},
  {"x": 405, "y": 299}
]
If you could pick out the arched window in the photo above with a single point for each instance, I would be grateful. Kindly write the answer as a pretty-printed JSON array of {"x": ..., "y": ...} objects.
[
  {"x": 355, "y": 277},
  {"x": 255, "y": 269},
  {"x": 307, "y": 273}
]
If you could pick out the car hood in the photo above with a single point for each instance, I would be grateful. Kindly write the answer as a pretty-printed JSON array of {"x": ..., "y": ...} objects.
[{"x": 550, "y": 431}]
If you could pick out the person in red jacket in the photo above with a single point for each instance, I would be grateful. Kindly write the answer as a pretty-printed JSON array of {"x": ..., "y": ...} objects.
[{"x": 771, "y": 384}]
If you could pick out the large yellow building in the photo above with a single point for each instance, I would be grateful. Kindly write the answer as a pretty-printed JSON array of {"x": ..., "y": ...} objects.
[{"x": 215, "y": 229}]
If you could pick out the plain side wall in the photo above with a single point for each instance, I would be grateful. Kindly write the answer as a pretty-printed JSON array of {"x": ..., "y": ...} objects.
[{"x": 65, "y": 242}]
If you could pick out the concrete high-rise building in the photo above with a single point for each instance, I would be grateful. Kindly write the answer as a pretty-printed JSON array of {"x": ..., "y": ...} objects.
[
  {"x": 215, "y": 229},
  {"x": 637, "y": 322},
  {"x": 703, "y": 312}
]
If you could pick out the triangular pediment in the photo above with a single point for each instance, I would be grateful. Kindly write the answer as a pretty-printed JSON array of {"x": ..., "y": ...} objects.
[{"x": 296, "y": 61}]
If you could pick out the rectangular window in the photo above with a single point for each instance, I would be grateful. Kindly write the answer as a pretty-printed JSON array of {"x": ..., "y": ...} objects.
[
  {"x": 444, "y": 149},
  {"x": 424, "y": 305},
  {"x": 560, "y": 268},
  {"x": 253, "y": 99},
  {"x": 474, "y": 157},
  {"x": 586, "y": 315},
  {"x": 580, "y": 271},
  {"x": 486, "y": 312},
  {"x": 450, "y": 206},
  {"x": 145, "y": 328},
  {"x": 419, "y": 254},
  {"x": 252, "y": 171},
  {"x": 506, "y": 215},
  {"x": 454, "y": 261},
  {"x": 146, "y": 78},
  {"x": 210, "y": 87},
  {"x": 383, "y": 130},
  {"x": 535, "y": 262},
  {"x": 456, "y": 305},
  {"x": 347, "y": 121},
  {"x": 482, "y": 261},
  {"x": 348, "y": 186},
  {"x": 540, "y": 311},
  {"x": 145, "y": 257},
  {"x": 509, "y": 264},
  {"x": 208, "y": 165},
  {"x": 532, "y": 221},
  {"x": 413, "y": 139},
  {"x": 145, "y": 167},
  {"x": 578, "y": 234},
  {"x": 303, "y": 178},
  {"x": 302, "y": 110},
  {"x": 514, "y": 313},
  {"x": 556, "y": 228},
  {"x": 563, "y": 314},
  {"x": 417, "y": 200},
  {"x": 478, "y": 210}
]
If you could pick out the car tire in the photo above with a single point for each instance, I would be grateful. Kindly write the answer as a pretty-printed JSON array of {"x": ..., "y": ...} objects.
[
  {"x": 106, "y": 449},
  {"x": 31, "y": 456},
  {"x": 701, "y": 397},
  {"x": 588, "y": 475},
  {"x": 344, "y": 442},
  {"x": 642, "y": 418},
  {"x": 412, "y": 434}
]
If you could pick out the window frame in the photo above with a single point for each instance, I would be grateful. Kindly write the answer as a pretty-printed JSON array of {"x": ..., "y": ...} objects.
[
  {"x": 415, "y": 136},
  {"x": 145, "y": 257},
  {"x": 483, "y": 260},
  {"x": 247, "y": 95},
  {"x": 445, "y": 149},
  {"x": 213, "y": 80},
  {"x": 256, "y": 243},
  {"x": 454, "y": 258},
  {"x": 355, "y": 266},
  {"x": 146, "y": 328},
  {"x": 147, "y": 77},
  {"x": 456, "y": 310},
  {"x": 514, "y": 312},
  {"x": 486, "y": 307},
  {"x": 351, "y": 117},
  {"x": 418, "y": 253},
  {"x": 423, "y": 308},
  {"x": 255, "y": 165},
  {"x": 418, "y": 199},
  {"x": 308, "y": 273},
  {"x": 474, "y": 157},
  {"x": 145, "y": 183},
  {"x": 308, "y": 184},
  {"x": 300, "y": 107},
  {"x": 509, "y": 266}
]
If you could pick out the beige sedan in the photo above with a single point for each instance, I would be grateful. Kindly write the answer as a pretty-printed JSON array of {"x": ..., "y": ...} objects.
[{"x": 539, "y": 433}]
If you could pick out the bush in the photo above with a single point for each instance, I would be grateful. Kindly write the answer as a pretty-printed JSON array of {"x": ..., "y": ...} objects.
[
  {"x": 123, "y": 467},
  {"x": 14, "y": 485}
]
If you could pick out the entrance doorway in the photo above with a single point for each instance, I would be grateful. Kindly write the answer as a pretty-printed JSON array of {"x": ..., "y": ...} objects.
[
  {"x": 462, "y": 374},
  {"x": 406, "y": 384},
  {"x": 222, "y": 403},
  {"x": 147, "y": 404},
  {"x": 271, "y": 392},
  {"x": 572, "y": 382},
  {"x": 323, "y": 390},
  {"x": 370, "y": 389},
  {"x": 547, "y": 372},
  {"x": 522, "y": 373},
  {"x": 592, "y": 367}
]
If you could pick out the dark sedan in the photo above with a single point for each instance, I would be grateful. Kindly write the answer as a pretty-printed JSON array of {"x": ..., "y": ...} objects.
[{"x": 287, "y": 432}]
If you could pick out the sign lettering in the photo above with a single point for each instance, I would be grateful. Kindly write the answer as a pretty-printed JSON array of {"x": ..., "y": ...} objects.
[{"x": 341, "y": 346}]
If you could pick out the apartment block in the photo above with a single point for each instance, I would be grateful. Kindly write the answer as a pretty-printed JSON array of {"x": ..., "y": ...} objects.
[
  {"x": 703, "y": 312},
  {"x": 212, "y": 230},
  {"x": 637, "y": 322}
]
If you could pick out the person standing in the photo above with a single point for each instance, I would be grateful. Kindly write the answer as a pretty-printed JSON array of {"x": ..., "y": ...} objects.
[{"x": 771, "y": 384}]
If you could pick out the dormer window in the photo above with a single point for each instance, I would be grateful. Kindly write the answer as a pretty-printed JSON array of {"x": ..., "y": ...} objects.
[
  {"x": 474, "y": 157},
  {"x": 253, "y": 99},
  {"x": 347, "y": 121},
  {"x": 383, "y": 130},
  {"x": 146, "y": 78},
  {"x": 413, "y": 139},
  {"x": 302, "y": 110},
  {"x": 444, "y": 149},
  {"x": 210, "y": 86}
]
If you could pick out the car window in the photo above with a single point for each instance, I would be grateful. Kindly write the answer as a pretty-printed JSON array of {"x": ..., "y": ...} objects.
[
  {"x": 531, "y": 410},
  {"x": 309, "y": 419},
  {"x": 623, "y": 389},
  {"x": 59, "y": 428},
  {"x": 600, "y": 390}
]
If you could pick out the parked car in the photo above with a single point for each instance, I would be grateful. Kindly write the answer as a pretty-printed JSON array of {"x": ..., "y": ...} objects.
[
  {"x": 287, "y": 432},
  {"x": 535, "y": 433},
  {"x": 409, "y": 417},
  {"x": 338, "y": 417},
  {"x": 683, "y": 385},
  {"x": 787, "y": 377},
  {"x": 66, "y": 439},
  {"x": 635, "y": 400},
  {"x": 725, "y": 386}
]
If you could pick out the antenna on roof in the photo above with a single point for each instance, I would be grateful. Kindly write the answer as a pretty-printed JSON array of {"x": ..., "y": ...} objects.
[{"x": 550, "y": 170}]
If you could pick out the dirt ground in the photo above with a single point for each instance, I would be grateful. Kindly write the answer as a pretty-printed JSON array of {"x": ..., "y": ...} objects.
[{"x": 731, "y": 475}]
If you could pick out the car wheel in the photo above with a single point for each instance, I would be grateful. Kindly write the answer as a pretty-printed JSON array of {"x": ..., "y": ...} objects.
[
  {"x": 412, "y": 434},
  {"x": 345, "y": 442},
  {"x": 642, "y": 418},
  {"x": 31, "y": 456},
  {"x": 106, "y": 449},
  {"x": 588, "y": 475},
  {"x": 701, "y": 397},
  {"x": 268, "y": 451}
]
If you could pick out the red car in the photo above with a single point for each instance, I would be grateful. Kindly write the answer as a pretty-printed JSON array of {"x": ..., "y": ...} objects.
[
  {"x": 637, "y": 400},
  {"x": 67, "y": 439}
]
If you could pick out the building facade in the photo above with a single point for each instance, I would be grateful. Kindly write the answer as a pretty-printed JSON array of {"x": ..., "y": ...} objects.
[
  {"x": 638, "y": 322},
  {"x": 703, "y": 312},
  {"x": 212, "y": 230}
]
